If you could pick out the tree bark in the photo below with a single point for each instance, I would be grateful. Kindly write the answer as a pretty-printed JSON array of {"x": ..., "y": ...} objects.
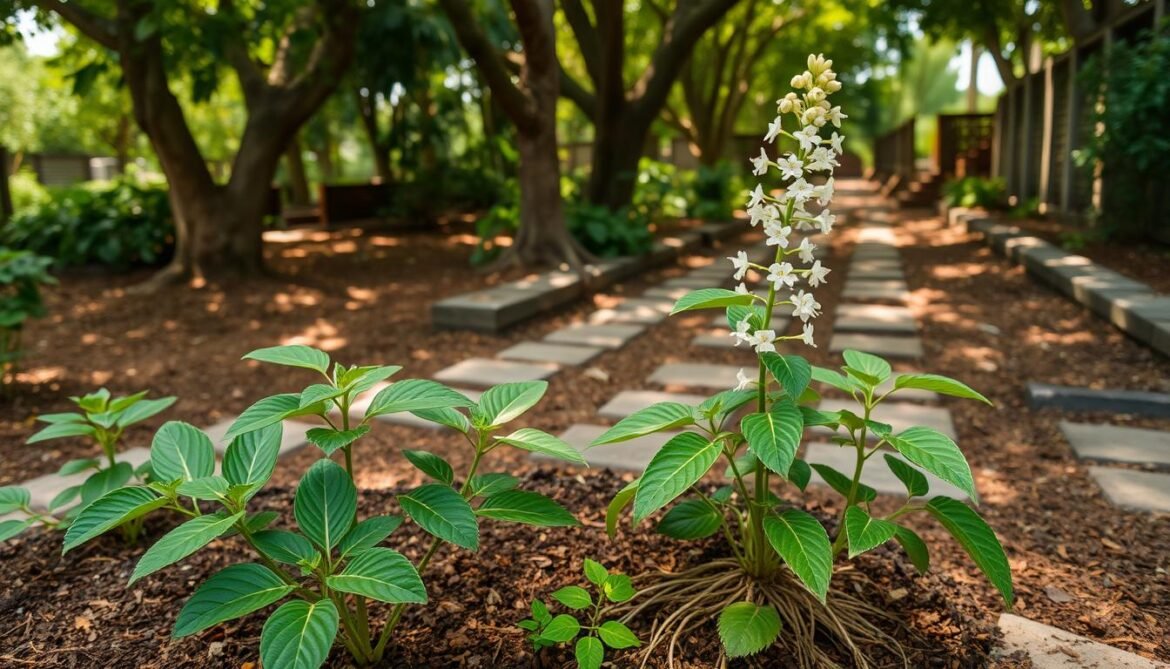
[
  {"x": 5, "y": 195},
  {"x": 294, "y": 162}
]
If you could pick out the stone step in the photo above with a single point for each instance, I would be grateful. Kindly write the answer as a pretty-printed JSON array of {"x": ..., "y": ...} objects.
[
  {"x": 1132, "y": 489},
  {"x": 876, "y": 474},
  {"x": 691, "y": 282},
  {"x": 861, "y": 291},
  {"x": 890, "y": 274},
  {"x": 666, "y": 293},
  {"x": 632, "y": 455},
  {"x": 626, "y": 315},
  {"x": 484, "y": 372},
  {"x": 697, "y": 375},
  {"x": 874, "y": 318},
  {"x": 43, "y": 489},
  {"x": 662, "y": 305},
  {"x": 628, "y": 401},
  {"x": 886, "y": 346},
  {"x": 560, "y": 354},
  {"x": 1072, "y": 398},
  {"x": 1053, "y": 648},
  {"x": 1109, "y": 443},
  {"x": 899, "y": 415},
  {"x": 606, "y": 335}
]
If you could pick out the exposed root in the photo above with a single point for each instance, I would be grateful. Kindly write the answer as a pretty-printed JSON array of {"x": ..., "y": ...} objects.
[{"x": 684, "y": 601}]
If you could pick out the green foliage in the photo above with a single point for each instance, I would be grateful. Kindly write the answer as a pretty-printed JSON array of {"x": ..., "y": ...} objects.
[
  {"x": 341, "y": 566},
  {"x": 659, "y": 192},
  {"x": 546, "y": 630},
  {"x": 713, "y": 192},
  {"x": 120, "y": 224},
  {"x": 609, "y": 234},
  {"x": 22, "y": 273},
  {"x": 976, "y": 192},
  {"x": 27, "y": 192}
]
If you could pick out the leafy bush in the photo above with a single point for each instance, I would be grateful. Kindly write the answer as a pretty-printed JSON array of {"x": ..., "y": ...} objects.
[
  {"x": 608, "y": 234},
  {"x": 502, "y": 219},
  {"x": 27, "y": 193},
  {"x": 547, "y": 630},
  {"x": 103, "y": 419},
  {"x": 712, "y": 187},
  {"x": 22, "y": 273},
  {"x": 658, "y": 192},
  {"x": 330, "y": 571},
  {"x": 119, "y": 224},
  {"x": 1133, "y": 147},
  {"x": 975, "y": 192}
]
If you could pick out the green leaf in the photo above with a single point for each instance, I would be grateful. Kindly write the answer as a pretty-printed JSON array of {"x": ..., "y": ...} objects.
[
  {"x": 540, "y": 612},
  {"x": 726, "y": 402},
  {"x": 561, "y": 629},
  {"x": 230, "y": 593},
  {"x": 595, "y": 572},
  {"x": 94, "y": 402},
  {"x": 251, "y": 457},
  {"x": 573, "y": 596},
  {"x": 105, "y": 480},
  {"x": 868, "y": 363},
  {"x": 980, "y": 542},
  {"x": 617, "y": 636},
  {"x": 443, "y": 513},
  {"x": 915, "y": 548},
  {"x": 486, "y": 485},
  {"x": 361, "y": 379},
  {"x": 753, "y": 314},
  {"x": 414, "y": 395},
  {"x": 914, "y": 480},
  {"x": 296, "y": 355},
  {"x": 864, "y": 532},
  {"x": 937, "y": 454},
  {"x": 618, "y": 588},
  {"x": 143, "y": 409},
  {"x": 13, "y": 498},
  {"x": 181, "y": 452},
  {"x": 64, "y": 497},
  {"x": 329, "y": 440},
  {"x": 791, "y": 371},
  {"x": 325, "y": 503},
  {"x": 78, "y": 465},
  {"x": 799, "y": 474},
  {"x": 451, "y": 418},
  {"x": 535, "y": 441},
  {"x": 109, "y": 511},
  {"x": 938, "y": 384},
  {"x": 775, "y": 436},
  {"x": 207, "y": 488},
  {"x": 804, "y": 545},
  {"x": 14, "y": 526},
  {"x": 710, "y": 298},
  {"x": 530, "y": 508},
  {"x": 382, "y": 574},
  {"x": 269, "y": 411},
  {"x": 319, "y": 392},
  {"x": 654, "y": 418},
  {"x": 287, "y": 547},
  {"x": 432, "y": 465},
  {"x": 70, "y": 417},
  {"x": 299, "y": 635},
  {"x": 259, "y": 521},
  {"x": 690, "y": 519},
  {"x": 61, "y": 430},
  {"x": 746, "y": 628},
  {"x": 500, "y": 404},
  {"x": 841, "y": 483},
  {"x": 619, "y": 502},
  {"x": 182, "y": 541},
  {"x": 678, "y": 465},
  {"x": 367, "y": 534},
  {"x": 814, "y": 417},
  {"x": 589, "y": 653}
]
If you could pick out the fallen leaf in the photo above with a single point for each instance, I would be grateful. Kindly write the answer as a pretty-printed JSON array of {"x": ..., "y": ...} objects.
[{"x": 1057, "y": 595}]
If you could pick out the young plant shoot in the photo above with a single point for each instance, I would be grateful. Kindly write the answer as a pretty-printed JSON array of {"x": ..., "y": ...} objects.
[
  {"x": 775, "y": 583},
  {"x": 332, "y": 570}
]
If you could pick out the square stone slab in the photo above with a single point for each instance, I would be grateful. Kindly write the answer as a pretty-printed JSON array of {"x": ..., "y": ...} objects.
[
  {"x": 623, "y": 314},
  {"x": 628, "y": 401},
  {"x": 1072, "y": 398},
  {"x": 876, "y": 474},
  {"x": 43, "y": 489},
  {"x": 877, "y": 265},
  {"x": 660, "y": 304},
  {"x": 688, "y": 282},
  {"x": 1109, "y": 443},
  {"x": 1131, "y": 489},
  {"x": 874, "y": 318},
  {"x": 1052, "y": 648},
  {"x": 606, "y": 336},
  {"x": 899, "y": 415},
  {"x": 484, "y": 372},
  {"x": 561, "y": 354},
  {"x": 875, "y": 291},
  {"x": 697, "y": 375},
  {"x": 885, "y": 346},
  {"x": 666, "y": 293},
  {"x": 632, "y": 455},
  {"x": 867, "y": 275}
]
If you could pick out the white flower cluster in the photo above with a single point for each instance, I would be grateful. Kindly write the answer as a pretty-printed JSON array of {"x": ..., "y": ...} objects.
[{"x": 806, "y": 111}]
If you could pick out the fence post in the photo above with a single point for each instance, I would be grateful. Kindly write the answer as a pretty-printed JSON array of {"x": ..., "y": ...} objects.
[
  {"x": 1045, "y": 191},
  {"x": 5, "y": 195},
  {"x": 1072, "y": 104}
]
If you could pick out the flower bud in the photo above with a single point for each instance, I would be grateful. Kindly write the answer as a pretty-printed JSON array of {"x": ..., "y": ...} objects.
[
  {"x": 833, "y": 86},
  {"x": 797, "y": 81},
  {"x": 816, "y": 95}
]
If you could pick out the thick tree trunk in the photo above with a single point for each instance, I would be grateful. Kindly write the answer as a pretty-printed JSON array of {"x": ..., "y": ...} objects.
[
  {"x": 542, "y": 237},
  {"x": 617, "y": 146},
  {"x": 5, "y": 195},
  {"x": 298, "y": 182}
]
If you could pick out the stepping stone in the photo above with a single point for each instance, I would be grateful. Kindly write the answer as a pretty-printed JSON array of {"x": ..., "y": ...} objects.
[
  {"x": 865, "y": 291},
  {"x": 605, "y": 335},
  {"x": 876, "y": 474},
  {"x": 882, "y": 345},
  {"x": 659, "y": 304},
  {"x": 631, "y": 315},
  {"x": 891, "y": 284},
  {"x": 1132, "y": 489},
  {"x": 485, "y": 372},
  {"x": 629, "y": 401},
  {"x": 632, "y": 455},
  {"x": 721, "y": 339},
  {"x": 1052, "y": 648},
  {"x": 1109, "y": 443},
  {"x": 874, "y": 318},
  {"x": 898, "y": 415},
  {"x": 696, "y": 375},
  {"x": 292, "y": 435},
  {"x": 43, "y": 489},
  {"x": 868, "y": 275},
  {"x": 561, "y": 354},
  {"x": 876, "y": 235},
  {"x": 688, "y": 282},
  {"x": 666, "y": 293},
  {"x": 494, "y": 309},
  {"x": 1071, "y": 398}
]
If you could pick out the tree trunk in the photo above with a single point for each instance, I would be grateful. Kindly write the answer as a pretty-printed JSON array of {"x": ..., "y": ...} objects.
[
  {"x": 542, "y": 237},
  {"x": 617, "y": 147},
  {"x": 298, "y": 182},
  {"x": 5, "y": 196}
]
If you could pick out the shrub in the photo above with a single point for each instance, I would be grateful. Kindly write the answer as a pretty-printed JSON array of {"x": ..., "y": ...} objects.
[
  {"x": 608, "y": 234},
  {"x": 657, "y": 192},
  {"x": 22, "y": 273},
  {"x": 333, "y": 568},
  {"x": 975, "y": 192},
  {"x": 712, "y": 189},
  {"x": 26, "y": 191},
  {"x": 119, "y": 224}
]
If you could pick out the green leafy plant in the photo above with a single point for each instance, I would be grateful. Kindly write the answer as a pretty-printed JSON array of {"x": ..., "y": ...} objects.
[
  {"x": 333, "y": 568},
  {"x": 780, "y": 558},
  {"x": 22, "y": 274},
  {"x": 595, "y": 634},
  {"x": 608, "y": 234},
  {"x": 103, "y": 419},
  {"x": 658, "y": 192},
  {"x": 975, "y": 192},
  {"x": 712, "y": 189}
]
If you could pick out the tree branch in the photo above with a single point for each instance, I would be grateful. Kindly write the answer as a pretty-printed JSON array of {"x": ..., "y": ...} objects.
[
  {"x": 586, "y": 35},
  {"x": 572, "y": 90},
  {"x": 235, "y": 50},
  {"x": 1078, "y": 19},
  {"x": 98, "y": 28}
]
